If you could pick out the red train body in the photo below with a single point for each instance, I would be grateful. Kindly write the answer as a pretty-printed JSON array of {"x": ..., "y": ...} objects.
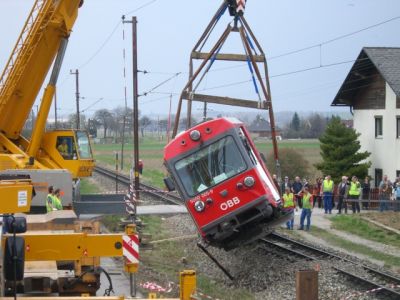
[{"x": 223, "y": 181}]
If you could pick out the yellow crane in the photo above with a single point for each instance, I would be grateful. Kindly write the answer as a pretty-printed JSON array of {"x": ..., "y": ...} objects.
[{"x": 41, "y": 44}]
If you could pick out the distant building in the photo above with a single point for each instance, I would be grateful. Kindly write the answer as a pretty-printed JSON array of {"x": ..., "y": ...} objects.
[
  {"x": 372, "y": 91},
  {"x": 262, "y": 128}
]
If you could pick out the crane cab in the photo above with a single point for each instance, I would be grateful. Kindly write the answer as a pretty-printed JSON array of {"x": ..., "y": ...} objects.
[
  {"x": 226, "y": 186},
  {"x": 69, "y": 149}
]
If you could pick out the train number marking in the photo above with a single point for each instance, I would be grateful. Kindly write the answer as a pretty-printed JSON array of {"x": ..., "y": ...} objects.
[{"x": 230, "y": 203}]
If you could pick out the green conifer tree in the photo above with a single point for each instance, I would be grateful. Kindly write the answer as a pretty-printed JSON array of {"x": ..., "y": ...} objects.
[
  {"x": 295, "y": 124},
  {"x": 340, "y": 152}
]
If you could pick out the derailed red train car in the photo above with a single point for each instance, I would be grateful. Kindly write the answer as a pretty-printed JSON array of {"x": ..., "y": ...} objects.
[{"x": 226, "y": 186}]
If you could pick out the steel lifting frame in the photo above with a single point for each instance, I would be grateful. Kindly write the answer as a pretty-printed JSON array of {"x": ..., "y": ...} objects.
[{"x": 254, "y": 55}]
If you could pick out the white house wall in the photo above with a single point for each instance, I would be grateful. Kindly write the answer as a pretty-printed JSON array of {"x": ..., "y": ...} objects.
[{"x": 385, "y": 151}]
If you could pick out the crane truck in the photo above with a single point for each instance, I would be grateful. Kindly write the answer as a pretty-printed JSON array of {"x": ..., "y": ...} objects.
[{"x": 51, "y": 157}]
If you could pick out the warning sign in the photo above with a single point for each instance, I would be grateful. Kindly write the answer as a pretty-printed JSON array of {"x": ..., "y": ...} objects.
[
  {"x": 22, "y": 198},
  {"x": 131, "y": 248}
]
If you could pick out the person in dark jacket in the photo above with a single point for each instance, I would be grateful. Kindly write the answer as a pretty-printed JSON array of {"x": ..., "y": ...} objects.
[
  {"x": 297, "y": 187},
  {"x": 316, "y": 192},
  {"x": 286, "y": 184},
  {"x": 366, "y": 188},
  {"x": 343, "y": 189}
]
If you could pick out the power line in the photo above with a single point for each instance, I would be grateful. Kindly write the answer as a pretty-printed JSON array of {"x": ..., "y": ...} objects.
[
  {"x": 315, "y": 45},
  {"x": 280, "y": 75},
  {"x": 335, "y": 39},
  {"x": 161, "y": 84},
  {"x": 312, "y": 68},
  {"x": 154, "y": 100},
  {"x": 111, "y": 35},
  {"x": 140, "y": 7},
  {"x": 101, "y": 46}
]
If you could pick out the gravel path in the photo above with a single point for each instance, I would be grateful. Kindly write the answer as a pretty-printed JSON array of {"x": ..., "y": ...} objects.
[
  {"x": 371, "y": 244},
  {"x": 323, "y": 221}
]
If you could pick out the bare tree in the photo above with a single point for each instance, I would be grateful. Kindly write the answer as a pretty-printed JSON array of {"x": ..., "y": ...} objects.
[
  {"x": 105, "y": 118},
  {"x": 143, "y": 123},
  {"x": 72, "y": 121}
]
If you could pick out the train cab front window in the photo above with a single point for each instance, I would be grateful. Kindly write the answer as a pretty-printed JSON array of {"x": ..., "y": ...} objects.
[
  {"x": 83, "y": 145},
  {"x": 211, "y": 165}
]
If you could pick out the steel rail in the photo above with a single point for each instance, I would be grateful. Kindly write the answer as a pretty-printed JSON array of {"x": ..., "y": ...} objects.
[
  {"x": 145, "y": 188},
  {"x": 275, "y": 240},
  {"x": 321, "y": 252}
]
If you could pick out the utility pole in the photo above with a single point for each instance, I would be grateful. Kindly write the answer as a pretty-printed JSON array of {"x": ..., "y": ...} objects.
[
  {"x": 135, "y": 128},
  {"x": 135, "y": 105},
  {"x": 205, "y": 111},
  {"x": 76, "y": 73}
]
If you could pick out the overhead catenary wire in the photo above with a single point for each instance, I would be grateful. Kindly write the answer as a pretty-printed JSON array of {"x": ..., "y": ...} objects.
[
  {"x": 361, "y": 67},
  {"x": 160, "y": 84},
  {"x": 101, "y": 46},
  {"x": 108, "y": 38},
  {"x": 140, "y": 7},
  {"x": 334, "y": 39},
  {"x": 320, "y": 44},
  {"x": 279, "y": 75}
]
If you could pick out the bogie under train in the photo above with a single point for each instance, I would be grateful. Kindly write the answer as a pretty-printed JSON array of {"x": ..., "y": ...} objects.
[{"x": 224, "y": 182}]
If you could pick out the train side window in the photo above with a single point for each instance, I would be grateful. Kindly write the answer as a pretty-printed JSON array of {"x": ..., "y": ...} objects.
[{"x": 247, "y": 147}]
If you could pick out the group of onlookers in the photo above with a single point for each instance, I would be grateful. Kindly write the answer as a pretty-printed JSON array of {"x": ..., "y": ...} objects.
[{"x": 300, "y": 193}]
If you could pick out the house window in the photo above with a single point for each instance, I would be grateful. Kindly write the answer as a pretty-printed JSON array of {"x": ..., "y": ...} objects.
[
  {"x": 398, "y": 174},
  {"x": 398, "y": 127},
  {"x": 378, "y": 176},
  {"x": 378, "y": 127}
]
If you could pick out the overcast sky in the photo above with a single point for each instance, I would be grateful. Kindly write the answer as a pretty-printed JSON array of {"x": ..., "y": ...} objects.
[{"x": 168, "y": 31}]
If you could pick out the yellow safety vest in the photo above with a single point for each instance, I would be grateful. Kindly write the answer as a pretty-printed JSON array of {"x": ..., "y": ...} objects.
[
  {"x": 63, "y": 149},
  {"x": 53, "y": 203},
  {"x": 306, "y": 201},
  {"x": 288, "y": 200},
  {"x": 57, "y": 204},
  {"x": 328, "y": 185},
  {"x": 354, "y": 189},
  {"x": 50, "y": 203}
]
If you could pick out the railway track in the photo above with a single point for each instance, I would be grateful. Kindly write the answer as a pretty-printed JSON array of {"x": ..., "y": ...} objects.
[
  {"x": 145, "y": 188},
  {"x": 385, "y": 283}
]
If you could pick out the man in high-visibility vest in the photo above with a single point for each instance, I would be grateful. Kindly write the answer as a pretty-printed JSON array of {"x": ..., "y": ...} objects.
[
  {"x": 307, "y": 200},
  {"x": 50, "y": 199},
  {"x": 354, "y": 194},
  {"x": 57, "y": 197},
  {"x": 289, "y": 205},
  {"x": 327, "y": 193}
]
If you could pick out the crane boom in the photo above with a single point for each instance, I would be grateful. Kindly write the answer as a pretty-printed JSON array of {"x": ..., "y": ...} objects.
[
  {"x": 41, "y": 44},
  {"x": 48, "y": 24}
]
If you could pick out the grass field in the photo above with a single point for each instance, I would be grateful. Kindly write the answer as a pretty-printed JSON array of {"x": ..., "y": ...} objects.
[
  {"x": 330, "y": 238},
  {"x": 356, "y": 225},
  {"x": 151, "y": 152}
]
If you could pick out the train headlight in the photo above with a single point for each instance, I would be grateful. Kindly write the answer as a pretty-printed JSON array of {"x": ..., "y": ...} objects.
[
  {"x": 249, "y": 181},
  {"x": 199, "y": 206},
  {"x": 195, "y": 135}
]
